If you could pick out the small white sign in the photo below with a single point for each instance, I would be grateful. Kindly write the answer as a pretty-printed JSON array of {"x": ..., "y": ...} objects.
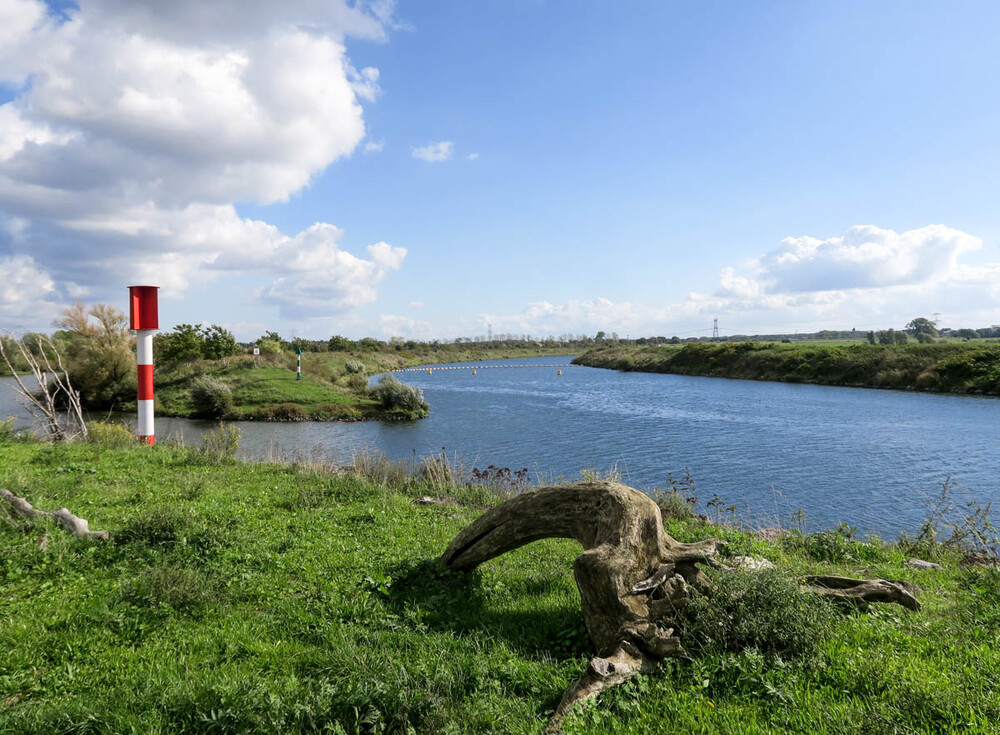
[{"x": 256, "y": 351}]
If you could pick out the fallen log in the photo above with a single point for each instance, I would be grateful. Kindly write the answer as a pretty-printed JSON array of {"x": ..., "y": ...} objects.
[{"x": 75, "y": 525}]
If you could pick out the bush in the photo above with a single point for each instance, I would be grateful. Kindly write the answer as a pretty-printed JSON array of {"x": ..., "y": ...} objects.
[
  {"x": 354, "y": 366},
  {"x": 759, "y": 610},
  {"x": 222, "y": 443},
  {"x": 111, "y": 436},
  {"x": 395, "y": 396},
  {"x": 285, "y": 412},
  {"x": 357, "y": 383},
  {"x": 211, "y": 398}
]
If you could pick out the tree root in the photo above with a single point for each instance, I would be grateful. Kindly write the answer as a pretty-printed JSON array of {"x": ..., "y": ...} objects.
[
  {"x": 75, "y": 525},
  {"x": 863, "y": 592}
]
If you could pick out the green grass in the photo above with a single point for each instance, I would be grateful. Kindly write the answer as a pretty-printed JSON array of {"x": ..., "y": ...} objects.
[
  {"x": 267, "y": 598},
  {"x": 266, "y": 388},
  {"x": 958, "y": 367}
]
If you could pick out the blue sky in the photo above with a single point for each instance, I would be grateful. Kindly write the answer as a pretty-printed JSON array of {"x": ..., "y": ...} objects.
[{"x": 638, "y": 167}]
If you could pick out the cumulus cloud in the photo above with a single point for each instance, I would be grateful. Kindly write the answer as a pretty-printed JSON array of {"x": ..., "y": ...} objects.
[
  {"x": 144, "y": 122},
  {"x": 869, "y": 278},
  {"x": 374, "y": 146},
  {"x": 864, "y": 258},
  {"x": 25, "y": 288},
  {"x": 434, "y": 152}
]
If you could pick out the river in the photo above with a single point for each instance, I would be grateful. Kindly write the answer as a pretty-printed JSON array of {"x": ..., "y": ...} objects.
[{"x": 864, "y": 457}]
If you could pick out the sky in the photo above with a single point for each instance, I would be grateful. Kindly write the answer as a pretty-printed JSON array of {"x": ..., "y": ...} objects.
[{"x": 432, "y": 170}]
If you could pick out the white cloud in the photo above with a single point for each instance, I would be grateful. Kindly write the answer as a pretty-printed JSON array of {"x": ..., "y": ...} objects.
[
  {"x": 434, "y": 152},
  {"x": 404, "y": 326},
  {"x": 417, "y": 304},
  {"x": 473, "y": 156},
  {"x": 145, "y": 122},
  {"x": 868, "y": 278},
  {"x": 374, "y": 146},
  {"x": 864, "y": 257},
  {"x": 26, "y": 290}
]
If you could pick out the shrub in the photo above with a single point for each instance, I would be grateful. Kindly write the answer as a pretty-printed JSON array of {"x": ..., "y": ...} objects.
[
  {"x": 222, "y": 442},
  {"x": 761, "y": 610},
  {"x": 357, "y": 383},
  {"x": 393, "y": 395},
  {"x": 211, "y": 398},
  {"x": 354, "y": 366},
  {"x": 111, "y": 436},
  {"x": 285, "y": 412}
]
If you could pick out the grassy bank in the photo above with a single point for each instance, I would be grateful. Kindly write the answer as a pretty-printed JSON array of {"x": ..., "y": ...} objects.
[
  {"x": 955, "y": 367},
  {"x": 266, "y": 598},
  {"x": 333, "y": 386}
]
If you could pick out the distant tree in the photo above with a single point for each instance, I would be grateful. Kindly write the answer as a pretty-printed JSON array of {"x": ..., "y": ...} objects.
[
  {"x": 887, "y": 337},
  {"x": 920, "y": 325},
  {"x": 185, "y": 343},
  {"x": 900, "y": 338},
  {"x": 871, "y": 338},
  {"x": 599, "y": 337},
  {"x": 338, "y": 343},
  {"x": 924, "y": 338},
  {"x": 218, "y": 343}
]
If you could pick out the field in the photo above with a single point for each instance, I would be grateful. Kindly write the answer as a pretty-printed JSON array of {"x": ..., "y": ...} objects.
[{"x": 283, "y": 598}]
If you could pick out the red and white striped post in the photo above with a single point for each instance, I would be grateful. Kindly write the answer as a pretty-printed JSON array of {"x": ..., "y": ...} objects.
[{"x": 144, "y": 320}]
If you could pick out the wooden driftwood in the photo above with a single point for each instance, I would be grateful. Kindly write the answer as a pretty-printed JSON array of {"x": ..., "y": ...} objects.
[
  {"x": 633, "y": 578},
  {"x": 77, "y": 526}
]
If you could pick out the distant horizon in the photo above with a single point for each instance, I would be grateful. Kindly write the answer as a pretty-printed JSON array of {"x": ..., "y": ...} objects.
[{"x": 418, "y": 169}]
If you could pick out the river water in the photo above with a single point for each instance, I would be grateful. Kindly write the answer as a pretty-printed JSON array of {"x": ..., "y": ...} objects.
[{"x": 865, "y": 457}]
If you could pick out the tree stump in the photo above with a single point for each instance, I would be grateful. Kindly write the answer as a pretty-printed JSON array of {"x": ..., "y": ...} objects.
[{"x": 632, "y": 576}]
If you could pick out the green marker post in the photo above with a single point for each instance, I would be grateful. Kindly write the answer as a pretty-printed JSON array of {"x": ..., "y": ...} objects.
[{"x": 298, "y": 365}]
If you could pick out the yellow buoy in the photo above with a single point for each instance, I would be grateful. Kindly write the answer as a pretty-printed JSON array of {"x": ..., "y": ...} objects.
[
  {"x": 473, "y": 372},
  {"x": 429, "y": 371},
  {"x": 558, "y": 372}
]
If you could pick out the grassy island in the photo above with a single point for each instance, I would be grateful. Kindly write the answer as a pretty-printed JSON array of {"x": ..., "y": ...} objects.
[
  {"x": 956, "y": 367},
  {"x": 277, "y": 598}
]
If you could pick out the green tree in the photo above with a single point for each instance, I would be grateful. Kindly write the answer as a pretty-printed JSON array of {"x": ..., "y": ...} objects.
[
  {"x": 920, "y": 325},
  {"x": 99, "y": 355},
  {"x": 183, "y": 344},
  {"x": 218, "y": 343}
]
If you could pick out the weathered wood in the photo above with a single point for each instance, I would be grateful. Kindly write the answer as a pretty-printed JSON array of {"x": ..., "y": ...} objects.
[
  {"x": 862, "y": 592},
  {"x": 632, "y": 576},
  {"x": 75, "y": 525}
]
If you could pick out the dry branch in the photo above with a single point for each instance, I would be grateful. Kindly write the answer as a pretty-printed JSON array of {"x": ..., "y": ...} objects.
[
  {"x": 75, "y": 525},
  {"x": 43, "y": 404}
]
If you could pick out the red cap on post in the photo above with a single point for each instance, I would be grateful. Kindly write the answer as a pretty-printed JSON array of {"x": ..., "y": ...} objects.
[{"x": 143, "y": 312}]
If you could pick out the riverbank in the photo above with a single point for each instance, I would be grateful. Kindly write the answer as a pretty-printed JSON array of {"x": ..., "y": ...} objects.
[
  {"x": 334, "y": 385},
  {"x": 946, "y": 368},
  {"x": 273, "y": 598}
]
